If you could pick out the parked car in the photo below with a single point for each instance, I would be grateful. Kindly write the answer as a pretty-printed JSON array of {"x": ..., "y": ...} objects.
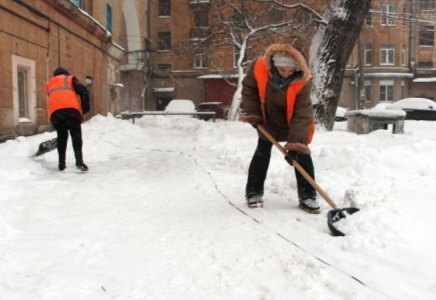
[
  {"x": 415, "y": 108},
  {"x": 218, "y": 107},
  {"x": 180, "y": 106}
]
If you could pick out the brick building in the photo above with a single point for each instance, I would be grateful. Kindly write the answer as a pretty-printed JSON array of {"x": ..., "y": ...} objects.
[
  {"x": 37, "y": 36},
  {"x": 396, "y": 53}
]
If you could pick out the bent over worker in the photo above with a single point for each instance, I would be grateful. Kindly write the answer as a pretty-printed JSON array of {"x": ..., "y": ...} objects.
[
  {"x": 276, "y": 94},
  {"x": 65, "y": 111}
]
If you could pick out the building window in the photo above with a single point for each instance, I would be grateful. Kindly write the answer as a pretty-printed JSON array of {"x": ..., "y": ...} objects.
[
  {"x": 404, "y": 55},
  {"x": 427, "y": 5},
  {"x": 387, "y": 54},
  {"x": 368, "y": 55},
  {"x": 164, "y": 66},
  {"x": 200, "y": 60},
  {"x": 24, "y": 83},
  {"x": 201, "y": 18},
  {"x": 77, "y": 3},
  {"x": 405, "y": 16},
  {"x": 164, "y": 41},
  {"x": 367, "y": 91},
  {"x": 368, "y": 19},
  {"x": 23, "y": 110},
  {"x": 164, "y": 8},
  {"x": 109, "y": 17},
  {"x": 425, "y": 64},
  {"x": 386, "y": 90},
  {"x": 426, "y": 36},
  {"x": 388, "y": 15}
]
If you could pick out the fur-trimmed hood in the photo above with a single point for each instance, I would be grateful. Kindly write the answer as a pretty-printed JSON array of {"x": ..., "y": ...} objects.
[{"x": 290, "y": 51}]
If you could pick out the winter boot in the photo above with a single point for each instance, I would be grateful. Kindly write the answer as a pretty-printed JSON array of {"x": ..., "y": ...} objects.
[
  {"x": 79, "y": 161},
  {"x": 82, "y": 167},
  {"x": 310, "y": 205},
  {"x": 62, "y": 165},
  {"x": 255, "y": 201}
]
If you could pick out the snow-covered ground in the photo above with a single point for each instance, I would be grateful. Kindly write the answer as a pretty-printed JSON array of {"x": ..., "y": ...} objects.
[{"x": 161, "y": 215}]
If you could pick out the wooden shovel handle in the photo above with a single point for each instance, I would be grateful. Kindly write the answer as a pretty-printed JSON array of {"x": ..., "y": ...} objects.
[{"x": 298, "y": 167}]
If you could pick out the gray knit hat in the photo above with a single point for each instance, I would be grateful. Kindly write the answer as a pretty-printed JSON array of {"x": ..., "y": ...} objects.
[{"x": 281, "y": 60}]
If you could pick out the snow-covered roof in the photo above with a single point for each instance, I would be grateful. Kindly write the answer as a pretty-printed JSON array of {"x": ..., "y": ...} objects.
[
  {"x": 217, "y": 76},
  {"x": 375, "y": 113},
  {"x": 388, "y": 75},
  {"x": 429, "y": 79},
  {"x": 164, "y": 90}
]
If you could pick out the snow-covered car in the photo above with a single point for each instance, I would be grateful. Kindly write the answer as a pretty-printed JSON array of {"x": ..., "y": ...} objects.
[
  {"x": 416, "y": 108},
  {"x": 181, "y": 106}
]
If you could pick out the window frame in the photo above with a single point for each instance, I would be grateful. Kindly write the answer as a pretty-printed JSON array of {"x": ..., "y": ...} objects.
[
  {"x": 109, "y": 17},
  {"x": 29, "y": 65},
  {"x": 426, "y": 34},
  {"x": 164, "y": 42},
  {"x": 388, "y": 17},
  {"x": 164, "y": 8},
  {"x": 203, "y": 60},
  {"x": 390, "y": 52},
  {"x": 386, "y": 87},
  {"x": 368, "y": 54}
]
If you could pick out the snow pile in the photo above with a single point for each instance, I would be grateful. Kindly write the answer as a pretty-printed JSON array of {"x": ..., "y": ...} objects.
[{"x": 161, "y": 215}]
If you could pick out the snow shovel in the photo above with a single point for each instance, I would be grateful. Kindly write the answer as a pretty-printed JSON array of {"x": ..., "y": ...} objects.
[
  {"x": 46, "y": 146},
  {"x": 334, "y": 215}
]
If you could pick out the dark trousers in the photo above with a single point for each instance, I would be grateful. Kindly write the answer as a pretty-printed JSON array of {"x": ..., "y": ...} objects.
[
  {"x": 259, "y": 168},
  {"x": 64, "y": 121}
]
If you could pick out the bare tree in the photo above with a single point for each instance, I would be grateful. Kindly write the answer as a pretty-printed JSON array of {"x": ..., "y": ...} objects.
[
  {"x": 247, "y": 25},
  {"x": 250, "y": 25}
]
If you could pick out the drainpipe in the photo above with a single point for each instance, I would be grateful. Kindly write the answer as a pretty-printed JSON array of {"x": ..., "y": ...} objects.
[{"x": 413, "y": 30}]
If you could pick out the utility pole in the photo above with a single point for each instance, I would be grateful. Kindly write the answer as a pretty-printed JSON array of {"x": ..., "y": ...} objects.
[{"x": 361, "y": 83}]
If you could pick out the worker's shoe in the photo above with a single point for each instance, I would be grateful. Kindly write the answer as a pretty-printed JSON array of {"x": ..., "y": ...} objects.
[
  {"x": 310, "y": 205},
  {"x": 255, "y": 201}
]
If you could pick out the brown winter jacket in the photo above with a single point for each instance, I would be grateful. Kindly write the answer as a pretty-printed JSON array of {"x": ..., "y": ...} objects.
[{"x": 298, "y": 130}]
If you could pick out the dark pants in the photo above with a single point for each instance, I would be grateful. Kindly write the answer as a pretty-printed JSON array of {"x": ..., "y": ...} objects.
[
  {"x": 259, "y": 168},
  {"x": 64, "y": 121}
]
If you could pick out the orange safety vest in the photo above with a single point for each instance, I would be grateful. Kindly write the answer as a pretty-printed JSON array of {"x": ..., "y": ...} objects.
[
  {"x": 262, "y": 75},
  {"x": 61, "y": 94}
]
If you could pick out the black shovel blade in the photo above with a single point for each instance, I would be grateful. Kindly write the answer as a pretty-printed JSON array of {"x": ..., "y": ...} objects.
[
  {"x": 46, "y": 146},
  {"x": 335, "y": 215}
]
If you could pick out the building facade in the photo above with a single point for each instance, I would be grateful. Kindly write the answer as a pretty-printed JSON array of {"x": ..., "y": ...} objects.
[
  {"x": 396, "y": 53},
  {"x": 36, "y": 37}
]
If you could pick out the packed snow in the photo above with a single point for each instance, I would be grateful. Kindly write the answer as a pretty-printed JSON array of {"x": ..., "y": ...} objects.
[{"x": 161, "y": 215}]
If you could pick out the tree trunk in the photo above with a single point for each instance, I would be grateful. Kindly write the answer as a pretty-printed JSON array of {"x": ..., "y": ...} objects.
[{"x": 332, "y": 46}]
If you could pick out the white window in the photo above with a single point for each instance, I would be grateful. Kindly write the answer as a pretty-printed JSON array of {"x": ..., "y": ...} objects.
[
  {"x": 387, "y": 90},
  {"x": 387, "y": 54},
  {"x": 368, "y": 55},
  {"x": 200, "y": 60},
  {"x": 388, "y": 15},
  {"x": 24, "y": 94}
]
